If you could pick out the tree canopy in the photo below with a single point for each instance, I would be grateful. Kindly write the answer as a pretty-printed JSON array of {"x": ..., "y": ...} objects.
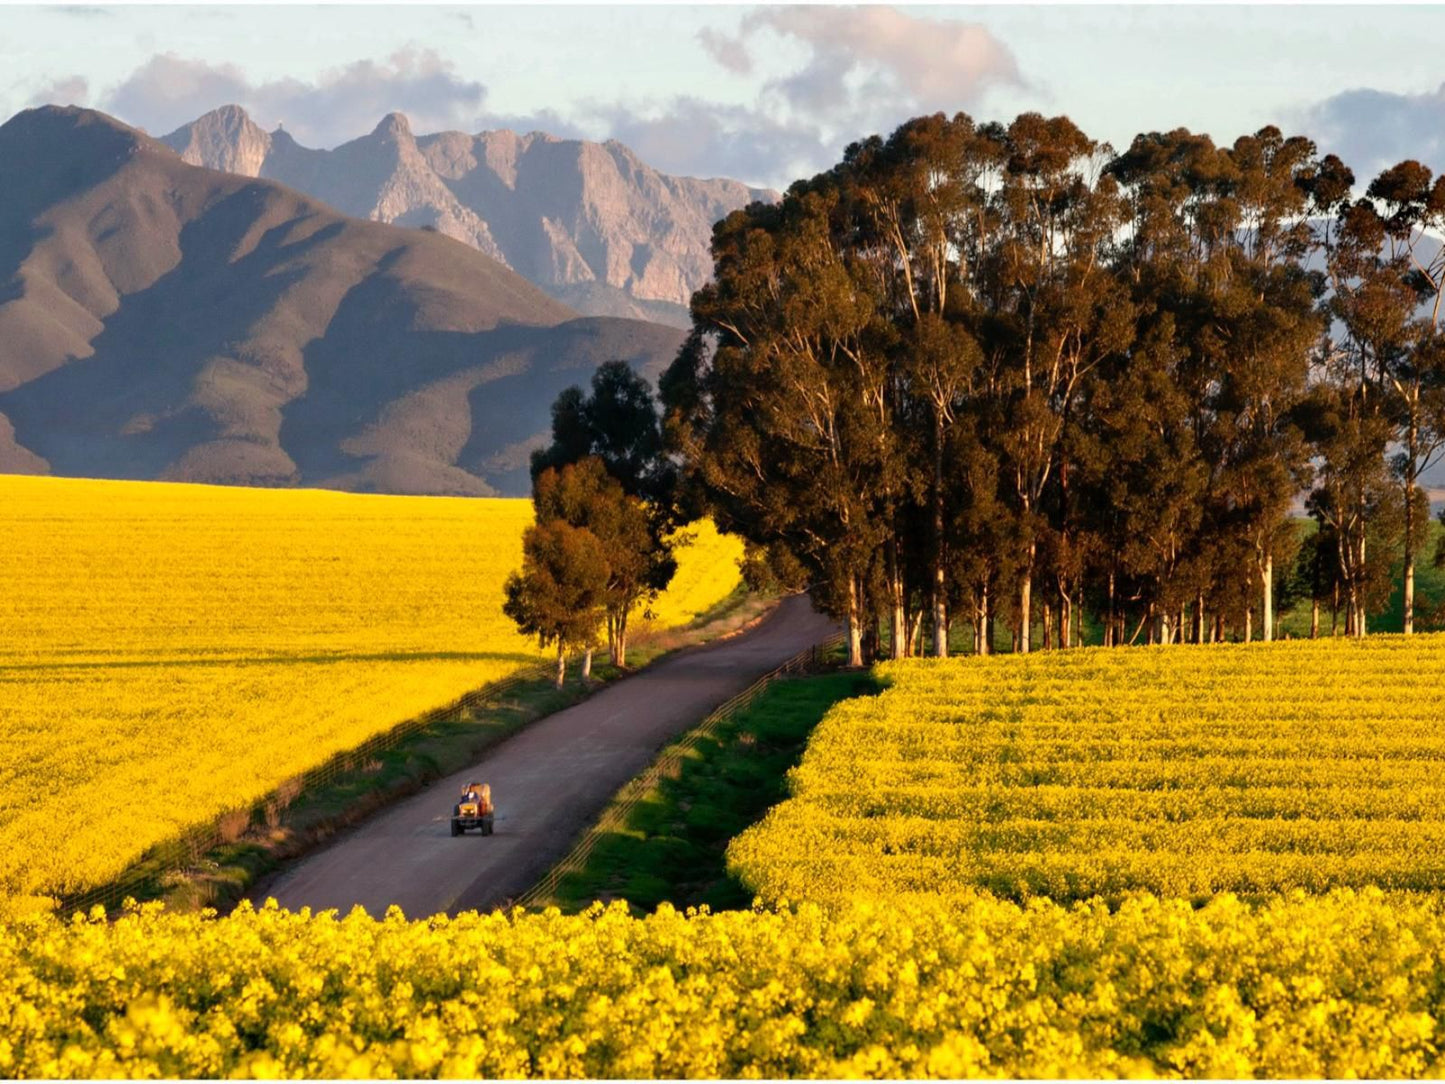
[{"x": 982, "y": 372}]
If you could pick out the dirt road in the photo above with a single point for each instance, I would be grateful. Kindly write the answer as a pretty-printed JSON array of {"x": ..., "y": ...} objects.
[{"x": 548, "y": 782}]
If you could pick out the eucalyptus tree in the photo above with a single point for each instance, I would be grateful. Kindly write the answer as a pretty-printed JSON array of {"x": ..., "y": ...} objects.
[
  {"x": 606, "y": 471},
  {"x": 1160, "y": 502},
  {"x": 1411, "y": 210},
  {"x": 1267, "y": 318},
  {"x": 586, "y": 495},
  {"x": 779, "y": 404},
  {"x": 921, "y": 218},
  {"x": 1059, "y": 310},
  {"x": 559, "y": 595},
  {"x": 618, "y": 423},
  {"x": 1371, "y": 306}
]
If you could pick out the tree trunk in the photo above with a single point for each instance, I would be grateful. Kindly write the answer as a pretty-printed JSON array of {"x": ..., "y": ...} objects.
[
  {"x": 1248, "y": 624},
  {"x": 940, "y": 558},
  {"x": 561, "y": 664},
  {"x": 915, "y": 636},
  {"x": 855, "y": 627},
  {"x": 587, "y": 666},
  {"x": 940, "y": 616},
  {"x": 1048, "y": 627},
  {"x": 1409, "y": 571},
  {"x": 1360, "y": 629},
  {"x": 990, "y": 622},
  {"x": 1314, "y": 619},
  {"x": 1111, "y": 633},
  {"x": 1026, "y": 591},
  {"x": 1199, "y": 622},
  {"x": 621, "y": 657},
  {"x": 1266, "y": 630},
  {"x": 898, "y": 620},
  {"x": 985, "y": 620},
  {"x": 1066, "y": 620},
  {"x": 1409, "y": 587},
  {"x": 872, "y": 637}
]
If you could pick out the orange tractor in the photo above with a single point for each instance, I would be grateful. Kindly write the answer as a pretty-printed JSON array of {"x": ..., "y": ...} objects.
[{"x": 473, "y": 809}]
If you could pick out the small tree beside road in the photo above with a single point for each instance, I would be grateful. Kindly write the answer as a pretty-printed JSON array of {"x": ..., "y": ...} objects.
[{"x": 560, "y": 594}]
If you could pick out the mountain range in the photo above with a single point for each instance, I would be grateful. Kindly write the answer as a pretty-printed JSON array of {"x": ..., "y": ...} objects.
[
  {"x": 590, "y": 223},
  {"x": 160, "y": 319}
]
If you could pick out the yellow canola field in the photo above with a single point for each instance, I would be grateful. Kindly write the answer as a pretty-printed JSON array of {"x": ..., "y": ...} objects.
[
  {"x": 1182, "y": 771},
  {"x": 1346, "y": 985},
  {"x": 170, "y": 651}
]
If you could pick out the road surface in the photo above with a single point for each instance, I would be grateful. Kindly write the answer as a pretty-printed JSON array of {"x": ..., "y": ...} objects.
[{"x": 548, "y": 782}]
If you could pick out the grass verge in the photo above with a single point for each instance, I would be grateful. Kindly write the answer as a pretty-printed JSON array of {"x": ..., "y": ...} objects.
[{"x": 672, "y": 846}]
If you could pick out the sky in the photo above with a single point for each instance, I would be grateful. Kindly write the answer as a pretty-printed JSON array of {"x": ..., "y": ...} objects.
[{"x": 762, "y": 93}]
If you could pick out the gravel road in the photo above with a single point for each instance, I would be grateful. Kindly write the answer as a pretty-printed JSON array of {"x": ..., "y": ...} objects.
[{"x": 548, "y": 782}]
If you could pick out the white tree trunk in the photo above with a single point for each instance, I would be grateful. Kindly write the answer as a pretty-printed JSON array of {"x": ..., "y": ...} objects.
[
  {"x": 855, "y": 626},
  {"x": 1267, "y": 609},
  {"x": 1409, "y": 594},
  {"x": 940, "y": 618},
  {"x": 1026, "y": 593},
  {"x": 985, "y": 639}
]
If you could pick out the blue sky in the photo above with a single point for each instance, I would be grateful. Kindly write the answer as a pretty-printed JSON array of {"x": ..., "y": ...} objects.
[{"x": 762, "y": 93}]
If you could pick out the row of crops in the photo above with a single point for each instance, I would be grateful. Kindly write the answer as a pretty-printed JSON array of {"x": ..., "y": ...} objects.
[{"x": 1182, "y": 771}]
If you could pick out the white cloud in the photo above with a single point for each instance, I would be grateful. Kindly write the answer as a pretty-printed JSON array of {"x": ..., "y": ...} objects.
[
  {"x": 168, "y": 91},
  {"x": 867, "y": 61},
  {"x": 865, "y": 70},
  {"x": 856, "y": 71},
  {"x": 731, "y": 53},
  {"x": 694, "y": 137},
  {"x": 1374, "y": 129},
  {"x": 74, "y": 90}
]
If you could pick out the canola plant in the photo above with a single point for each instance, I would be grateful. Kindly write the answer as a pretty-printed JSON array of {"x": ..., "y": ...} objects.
[
  {"x": 171, "y": 651},
  {"x": 1347, "y": 984},
  {"x": 1194, "y": 862},
  {"x": 1183, "y": 771}
]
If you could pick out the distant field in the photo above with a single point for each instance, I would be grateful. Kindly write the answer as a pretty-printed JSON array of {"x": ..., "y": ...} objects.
[
  {"x": 1185, "y": 771},
  {"x": 169, "y": 651}
]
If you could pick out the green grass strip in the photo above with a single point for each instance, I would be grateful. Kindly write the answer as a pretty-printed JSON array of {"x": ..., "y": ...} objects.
[{"x": 671, "y": 846}]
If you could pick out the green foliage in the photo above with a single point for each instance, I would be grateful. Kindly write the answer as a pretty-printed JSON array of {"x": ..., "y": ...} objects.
[
  {"x": 561, "y": 593},
  {"x": 979, "y": 371}
]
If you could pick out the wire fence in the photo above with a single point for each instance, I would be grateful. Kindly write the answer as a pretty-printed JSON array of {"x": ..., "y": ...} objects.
[{"x": 667, "y": 766}]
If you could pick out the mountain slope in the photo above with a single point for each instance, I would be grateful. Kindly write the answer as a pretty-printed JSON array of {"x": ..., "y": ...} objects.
[
  {"x": 160, "y": 320},
  {"x": 588, "y": 222}
]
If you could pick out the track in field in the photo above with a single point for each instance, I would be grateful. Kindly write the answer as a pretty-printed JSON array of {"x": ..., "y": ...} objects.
[{"x": 548, "y": 782}]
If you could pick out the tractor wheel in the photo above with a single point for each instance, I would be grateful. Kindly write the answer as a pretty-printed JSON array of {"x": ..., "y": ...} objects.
[{"x": 456, "y": 828}]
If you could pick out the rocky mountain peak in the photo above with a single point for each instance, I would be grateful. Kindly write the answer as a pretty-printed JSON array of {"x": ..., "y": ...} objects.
[
  {"x": 590, "y": 223},
  {"x": 393, "y": 126},
  {"x": 226, "y": 139}
]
